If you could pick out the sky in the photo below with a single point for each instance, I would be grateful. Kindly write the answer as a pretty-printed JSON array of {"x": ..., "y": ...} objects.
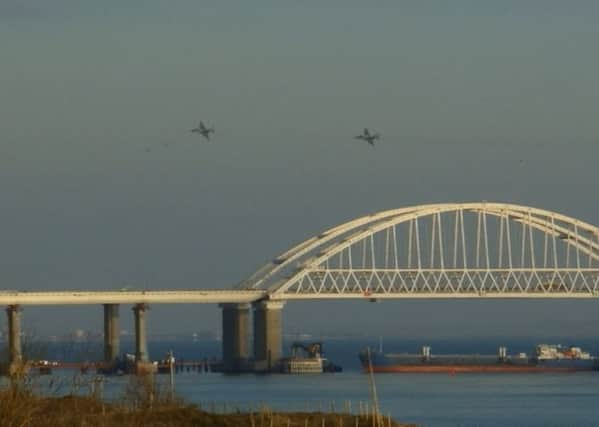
[{"x": 103, "y": 186}]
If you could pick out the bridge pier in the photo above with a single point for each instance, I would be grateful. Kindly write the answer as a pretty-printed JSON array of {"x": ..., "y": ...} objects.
[
  {"x": 267, "y": 334},
  {"x": 142, "y": 360},
  {"x": 111, "y": 333},
  {"x": 15, "y": 354},
  {"x": 236, "y": 319}
]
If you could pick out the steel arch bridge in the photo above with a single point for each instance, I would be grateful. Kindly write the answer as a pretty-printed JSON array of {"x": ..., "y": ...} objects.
[{"x": 449, "y": 250}]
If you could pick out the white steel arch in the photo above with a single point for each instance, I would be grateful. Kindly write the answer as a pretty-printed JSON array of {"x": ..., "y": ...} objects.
[{"x": 449, "y": 250}]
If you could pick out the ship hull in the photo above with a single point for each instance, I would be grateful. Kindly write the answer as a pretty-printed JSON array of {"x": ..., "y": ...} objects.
[
  {"x": 409, "y": 363},
  {"x": 457, "y": 369}
]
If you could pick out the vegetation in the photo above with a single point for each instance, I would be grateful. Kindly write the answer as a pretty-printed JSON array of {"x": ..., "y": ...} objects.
[{"x": 142, "y": 405}]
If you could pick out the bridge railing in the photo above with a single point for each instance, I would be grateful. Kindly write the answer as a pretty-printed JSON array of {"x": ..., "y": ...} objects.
[{"x": 401, "y": 282}]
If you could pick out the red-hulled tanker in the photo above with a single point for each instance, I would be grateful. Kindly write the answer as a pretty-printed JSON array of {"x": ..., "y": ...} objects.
[{"x": 546, "y": 358}]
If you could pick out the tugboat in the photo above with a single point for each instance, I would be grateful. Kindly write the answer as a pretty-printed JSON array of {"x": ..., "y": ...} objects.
[
  {"x": 166, "y": 365},
  {"x": 125, "y": 364},
  {"x": 307, "y": 359}
]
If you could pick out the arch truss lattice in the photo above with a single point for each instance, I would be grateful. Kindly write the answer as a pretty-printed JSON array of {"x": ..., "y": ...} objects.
[{"x": 457, "y": 250}]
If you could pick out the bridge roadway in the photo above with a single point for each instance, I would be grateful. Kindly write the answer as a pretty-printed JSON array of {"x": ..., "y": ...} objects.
[
  {"x": 131, "y": 297},
  {"x": 234, "y": 303},
  {"x": 22, "y": 298}
]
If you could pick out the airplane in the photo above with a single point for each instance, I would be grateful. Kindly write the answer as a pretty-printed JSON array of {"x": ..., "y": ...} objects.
[
  {"x": 368, "y": 137},
  {"x": 203, "y": 130}
]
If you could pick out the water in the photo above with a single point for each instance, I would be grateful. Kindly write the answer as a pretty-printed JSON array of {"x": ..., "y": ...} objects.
[{"x": 424, "y": 399}]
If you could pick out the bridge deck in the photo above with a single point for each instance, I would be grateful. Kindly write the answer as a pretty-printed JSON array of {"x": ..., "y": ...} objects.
[{"x": 130, "y": 297}]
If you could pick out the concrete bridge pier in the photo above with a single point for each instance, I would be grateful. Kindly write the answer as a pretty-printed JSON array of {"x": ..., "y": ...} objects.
[
  {"x": 15, "y": 355},
  {"x": 267, "y": 334},
  {"x": 111, "y": 333},
  {"x": 142, "y": 360},
  {"x": 236, "y": 319}
]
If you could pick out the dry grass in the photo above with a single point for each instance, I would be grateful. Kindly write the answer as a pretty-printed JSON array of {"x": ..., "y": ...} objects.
[{"x": 143, "y": 406}]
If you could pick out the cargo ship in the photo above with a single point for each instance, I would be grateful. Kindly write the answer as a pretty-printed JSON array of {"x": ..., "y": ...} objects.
[{"x": 545, "y": 358}]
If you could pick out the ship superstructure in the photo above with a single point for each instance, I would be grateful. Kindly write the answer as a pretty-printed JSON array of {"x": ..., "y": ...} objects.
[
  {"x": 307, "y": 359},
  {"x": 559, "y": 352}
]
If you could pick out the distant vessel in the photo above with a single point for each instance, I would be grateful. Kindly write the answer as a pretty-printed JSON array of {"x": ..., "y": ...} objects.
[
  {"x": 307, "y": 359},
  {"x": 546, "y": 358}
]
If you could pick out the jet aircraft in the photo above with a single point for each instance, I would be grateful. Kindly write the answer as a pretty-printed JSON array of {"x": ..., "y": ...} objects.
[
  {"x": 203, "y": 130},
  {"x": 368, "y": 137}
]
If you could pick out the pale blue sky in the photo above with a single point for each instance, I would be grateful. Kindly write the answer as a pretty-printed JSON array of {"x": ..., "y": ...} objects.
[{"x": 461, "y": 91}]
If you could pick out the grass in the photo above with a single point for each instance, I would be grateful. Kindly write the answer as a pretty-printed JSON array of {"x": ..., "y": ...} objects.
[
  {"x": 78, "y": 402},
  {"x": 22, "y": 408}
]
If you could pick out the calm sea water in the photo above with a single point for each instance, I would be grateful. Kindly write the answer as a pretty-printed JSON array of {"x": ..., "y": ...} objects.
[{"x": 425, "y": 399}]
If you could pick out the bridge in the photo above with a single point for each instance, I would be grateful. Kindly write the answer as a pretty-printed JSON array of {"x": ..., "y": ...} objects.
[
  {"x": 126, "y": 297},
  {"x": 450, "y": 250}
]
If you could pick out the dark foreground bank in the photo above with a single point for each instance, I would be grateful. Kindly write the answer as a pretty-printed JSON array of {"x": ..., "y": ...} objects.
[{"x": 25, "y": 409}]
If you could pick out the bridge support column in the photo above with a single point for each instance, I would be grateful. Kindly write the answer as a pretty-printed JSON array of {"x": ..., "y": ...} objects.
[
  {"x": 142, "y": 360},
  {"x": 15, "y": 355},
  {"x": 267, "y": 334},
  {"x": 236, "y": 319},
  {"x": 111, "y": 332}
]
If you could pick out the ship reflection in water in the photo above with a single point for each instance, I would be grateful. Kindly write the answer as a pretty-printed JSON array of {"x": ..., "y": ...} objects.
[{"x": 545, "y": 358}]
